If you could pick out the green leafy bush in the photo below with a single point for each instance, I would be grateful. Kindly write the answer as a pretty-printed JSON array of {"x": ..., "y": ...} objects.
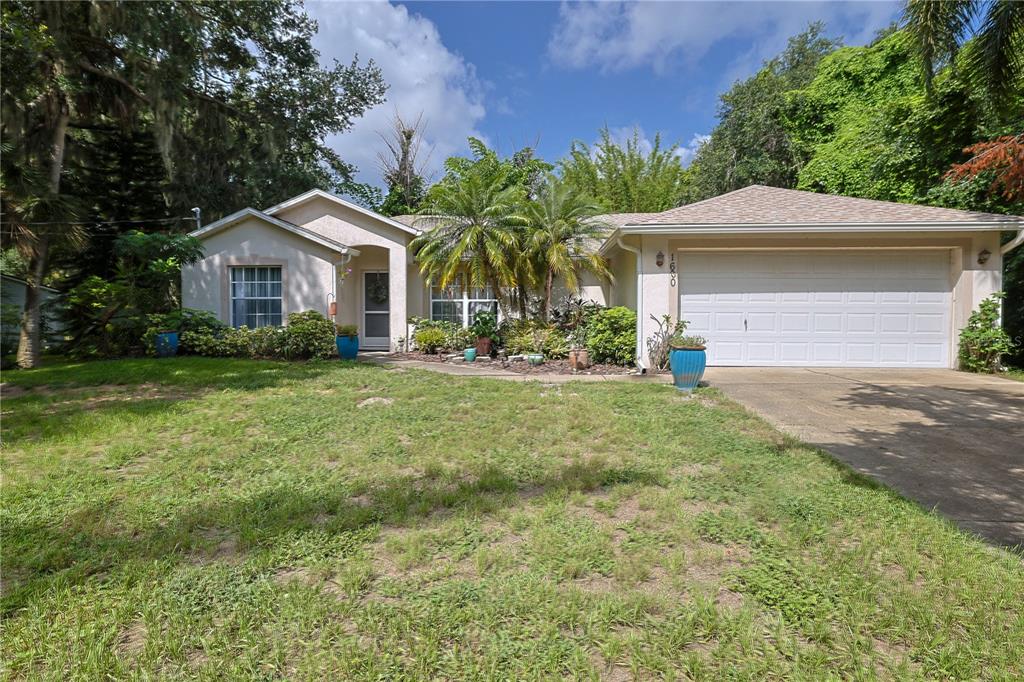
[
  {"x": 346, "y": 330},
  {"x": 611, "y": 336},
  {"x": 181, "y": 321},
  {"x": 111, "y": 318},
  {"x": 458, "y": 338},
  {"x": 529, "y": 336},
  {"x": 430, "y": 339},
  {"x": 308, "y": 335},
  {"x": 983, "y": 342}
]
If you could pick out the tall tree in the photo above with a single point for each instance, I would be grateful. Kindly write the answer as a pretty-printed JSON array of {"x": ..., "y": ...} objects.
[
  {"x": 750, "y": 144},
  {"x": 624, "y": 177},
  {"x": 991, "y": 30},
  {"x": 562, "y": 233},
  {"x": 403, "y": 166},
  {"x": 474, "y": 233},
  {"x": 233, "y": 94}
]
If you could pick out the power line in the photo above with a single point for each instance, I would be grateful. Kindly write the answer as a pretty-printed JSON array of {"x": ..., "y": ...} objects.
[{"x": 98, "y": 222}]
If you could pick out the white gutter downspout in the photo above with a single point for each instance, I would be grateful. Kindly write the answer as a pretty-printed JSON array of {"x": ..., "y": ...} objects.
[
  {"x": 639, "y": 302},
  {"x": 1013, "y": 243}
]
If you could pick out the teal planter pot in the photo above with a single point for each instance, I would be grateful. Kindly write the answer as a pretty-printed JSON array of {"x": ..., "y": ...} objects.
[
  {"x": 687, "y": 366},
  {"x": 469, "y": 354},
  {"x": 348, "y": 346},
  {"x": 166, "y": 344},
  {"x": 535, "y": 359}
]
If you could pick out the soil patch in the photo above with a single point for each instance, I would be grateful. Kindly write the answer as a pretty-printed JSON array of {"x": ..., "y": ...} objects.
[{"x": 520, "y": 367}]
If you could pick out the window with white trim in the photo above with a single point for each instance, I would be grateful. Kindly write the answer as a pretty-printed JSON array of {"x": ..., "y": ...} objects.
[
  {"x": 459, "y": 304},
  {"x": 256, "y": 296}
]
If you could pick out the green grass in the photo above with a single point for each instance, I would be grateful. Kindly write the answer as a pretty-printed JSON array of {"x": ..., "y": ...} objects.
[{"x": 218, "y": 519}]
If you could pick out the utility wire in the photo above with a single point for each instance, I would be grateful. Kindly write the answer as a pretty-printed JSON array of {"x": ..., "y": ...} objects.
[{"x": 97, "y": 222}]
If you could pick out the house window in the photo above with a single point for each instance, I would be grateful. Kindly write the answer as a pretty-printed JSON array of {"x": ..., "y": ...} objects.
[
  {"x": 256, "y": 297},
  {"x": 459, "y": 304}
]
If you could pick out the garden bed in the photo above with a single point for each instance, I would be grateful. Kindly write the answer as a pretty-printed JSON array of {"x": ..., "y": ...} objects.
[{"x": 520, "y": 366}]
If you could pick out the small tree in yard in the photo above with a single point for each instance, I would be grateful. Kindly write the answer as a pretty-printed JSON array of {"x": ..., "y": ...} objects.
[{"x": 983, "y": 342}]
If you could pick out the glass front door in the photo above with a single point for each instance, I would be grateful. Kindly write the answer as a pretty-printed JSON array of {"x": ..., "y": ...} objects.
[{"x": 376, "y": 331}]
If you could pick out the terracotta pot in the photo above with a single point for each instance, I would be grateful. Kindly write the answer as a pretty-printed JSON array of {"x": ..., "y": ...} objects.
[
  {"x": 579, "y": 359},
  {"x": 483, "y": 345}
]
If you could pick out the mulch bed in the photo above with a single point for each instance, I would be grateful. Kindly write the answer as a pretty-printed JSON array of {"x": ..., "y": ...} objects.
[{"x": 521, "y": 367}]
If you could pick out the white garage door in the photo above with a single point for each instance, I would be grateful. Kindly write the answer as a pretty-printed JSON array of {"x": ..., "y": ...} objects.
[{"x": 824, "y": 308}]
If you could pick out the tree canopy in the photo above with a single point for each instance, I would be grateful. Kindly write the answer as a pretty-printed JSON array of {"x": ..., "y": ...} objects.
[{"x": 623, "y": 178}]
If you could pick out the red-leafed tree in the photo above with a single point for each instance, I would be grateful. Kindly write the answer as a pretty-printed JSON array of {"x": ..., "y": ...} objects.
[{"x": 1003, "y": 157}]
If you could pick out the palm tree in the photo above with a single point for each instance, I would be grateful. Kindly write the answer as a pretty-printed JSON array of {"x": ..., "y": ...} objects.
[
  {"x": 995, "y": 58},
  {"x": 562, "y": 236},
  {"x": 474, "y": 222}
]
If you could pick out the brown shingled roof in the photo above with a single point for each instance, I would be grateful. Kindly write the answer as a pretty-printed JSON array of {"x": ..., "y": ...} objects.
[{"x": 761, "y": 205}]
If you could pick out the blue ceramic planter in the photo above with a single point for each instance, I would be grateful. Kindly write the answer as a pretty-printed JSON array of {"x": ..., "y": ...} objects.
[
  {"x": 166, "y": 344},
  {"x": 348, "y": 346},
  {"x": 469, "y": 354},
  {"x": 687, "y": 367}
]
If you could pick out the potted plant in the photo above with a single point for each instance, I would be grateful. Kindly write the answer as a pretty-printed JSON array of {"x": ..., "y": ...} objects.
[
  {"x": 346, "y": 338},
  {"x": 579, "y": 358},
  {"x": 166, "y": 343},
  {"x": 687, "y": 360},
  {"x": 485, "y": 328}
]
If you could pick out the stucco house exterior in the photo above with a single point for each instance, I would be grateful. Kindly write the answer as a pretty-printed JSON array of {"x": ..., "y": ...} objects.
[{"x": 770, "y": 276}]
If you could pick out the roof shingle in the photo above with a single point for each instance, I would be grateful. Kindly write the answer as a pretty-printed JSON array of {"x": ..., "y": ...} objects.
[{"x": 761, "y": 205}]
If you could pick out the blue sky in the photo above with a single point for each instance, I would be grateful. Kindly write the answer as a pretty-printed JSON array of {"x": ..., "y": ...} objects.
[{"x": 538, "y": 73}]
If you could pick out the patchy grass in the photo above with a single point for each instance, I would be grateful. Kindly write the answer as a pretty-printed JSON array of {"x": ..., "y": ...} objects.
[
  {"x": 1014, "y": 373},
  {"x": 230, "y": 519}
]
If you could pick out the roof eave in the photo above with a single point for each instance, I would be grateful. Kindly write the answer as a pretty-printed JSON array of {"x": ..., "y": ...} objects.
[
  {"x": 236, "y": 217},
  {"x": 306, "y": 196},
  {"x": 1010, "y": 223}
]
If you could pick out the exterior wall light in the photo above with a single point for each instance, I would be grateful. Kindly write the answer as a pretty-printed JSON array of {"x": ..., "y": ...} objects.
[
  {"x": 983, "y": 256},
  {"x": 660, "y": 259}
]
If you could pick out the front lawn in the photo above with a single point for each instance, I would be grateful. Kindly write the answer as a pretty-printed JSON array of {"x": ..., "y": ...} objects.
[{"x": 235, "y": 519}]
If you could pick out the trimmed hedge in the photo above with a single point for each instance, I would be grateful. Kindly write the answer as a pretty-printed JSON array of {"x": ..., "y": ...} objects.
[{"x": 308, "y": 335}]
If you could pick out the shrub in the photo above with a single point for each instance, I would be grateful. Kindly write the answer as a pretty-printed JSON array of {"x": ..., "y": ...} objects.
[
  {"x": 181, "y": 321},
  {"x": 611, "y": 336},
  {"x": 308, "y": 335},
  {"x": 526, "y": 336},
  {"x": 430, "y": 339},
  {"x": 983, "y": 342},
  {"x": 457, "y": 338},
  {"x": 346, "y": 330}
]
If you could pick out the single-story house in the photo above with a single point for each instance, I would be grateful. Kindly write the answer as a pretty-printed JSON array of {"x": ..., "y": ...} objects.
[{"x": 770, "y": 276}]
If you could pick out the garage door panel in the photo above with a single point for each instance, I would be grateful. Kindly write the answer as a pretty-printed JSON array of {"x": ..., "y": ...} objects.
[
  {"x": 761, "y": 322},
  {"x": 818, "y": 308},
  {"x": 828, "y": 322}
]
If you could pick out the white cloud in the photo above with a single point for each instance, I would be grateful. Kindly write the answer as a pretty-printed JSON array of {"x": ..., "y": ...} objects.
[
  {"x": 616, "y": 36},
  {"x": 687, "y": 153},
  {"x": 422, "y": 74}
]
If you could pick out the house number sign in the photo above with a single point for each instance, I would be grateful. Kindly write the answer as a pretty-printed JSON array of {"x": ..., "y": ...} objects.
[{"x": 672, "y": 270}]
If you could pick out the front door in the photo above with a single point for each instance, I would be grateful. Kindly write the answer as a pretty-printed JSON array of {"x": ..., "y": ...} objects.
[{"x": 376, "y": 331}]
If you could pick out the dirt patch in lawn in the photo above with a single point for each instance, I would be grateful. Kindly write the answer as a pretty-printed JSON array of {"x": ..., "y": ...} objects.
[
  {"x": 132, "y": 640},
  {"x": 225, "y": 547},
  {"x": 375, "y": 400}
]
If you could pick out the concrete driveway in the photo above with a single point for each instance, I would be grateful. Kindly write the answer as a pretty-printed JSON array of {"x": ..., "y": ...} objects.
[{"x": 950, "y": 440}]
